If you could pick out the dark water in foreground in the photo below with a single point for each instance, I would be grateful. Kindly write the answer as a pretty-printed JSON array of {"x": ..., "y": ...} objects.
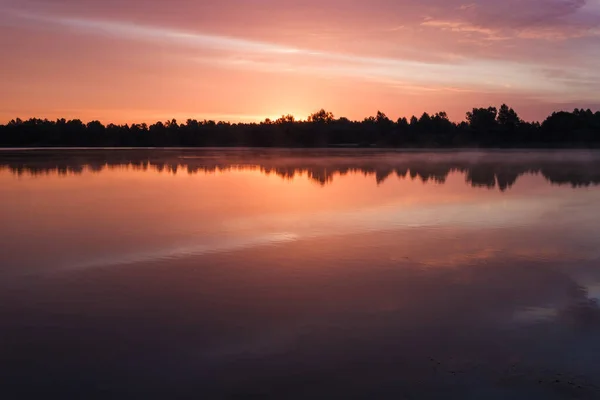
[{"x": 245, "y": 274}]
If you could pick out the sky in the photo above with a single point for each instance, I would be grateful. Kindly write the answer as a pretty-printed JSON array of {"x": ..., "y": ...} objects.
[{"x": 126, "y": 61}]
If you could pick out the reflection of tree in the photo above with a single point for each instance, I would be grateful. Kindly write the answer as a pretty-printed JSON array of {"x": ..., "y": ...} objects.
[
  {"x": 483, "y": 176},
  {"x": 321, "y": 167}
]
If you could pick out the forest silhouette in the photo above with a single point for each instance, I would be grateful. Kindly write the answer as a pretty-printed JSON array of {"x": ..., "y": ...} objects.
[
  {"x": 495, "y": 169},
  {"x": 483, "y": 127}
]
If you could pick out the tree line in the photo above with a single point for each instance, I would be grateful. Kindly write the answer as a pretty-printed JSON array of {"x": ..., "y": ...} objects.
[{"x": 483, "y": 127}]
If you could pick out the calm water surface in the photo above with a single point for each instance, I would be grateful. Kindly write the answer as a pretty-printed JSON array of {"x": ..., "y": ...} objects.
[{"x": 294, "y": 274}]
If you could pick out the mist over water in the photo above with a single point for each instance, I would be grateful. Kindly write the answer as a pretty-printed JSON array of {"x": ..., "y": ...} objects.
[{"x": 299, "y": 274}]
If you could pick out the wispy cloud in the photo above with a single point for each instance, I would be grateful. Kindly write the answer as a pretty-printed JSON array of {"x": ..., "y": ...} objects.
[
  {"x": 530, "y": 19},
  {"x": 143, "y": 32},
  {"x": 270, "y": 57},
  {"x": 464, "y": 27}
]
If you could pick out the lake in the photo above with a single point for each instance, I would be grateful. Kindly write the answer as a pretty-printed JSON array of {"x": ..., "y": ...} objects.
[{"x": 299, "y": 274}]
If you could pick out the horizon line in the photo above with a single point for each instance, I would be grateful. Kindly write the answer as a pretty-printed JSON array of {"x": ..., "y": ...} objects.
[{"x": 258, "y": 120}]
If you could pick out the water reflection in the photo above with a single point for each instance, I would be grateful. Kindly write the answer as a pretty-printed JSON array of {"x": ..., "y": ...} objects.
[
  {"x": 120, "y": 281},
  {"x": 486, "y": 169}
]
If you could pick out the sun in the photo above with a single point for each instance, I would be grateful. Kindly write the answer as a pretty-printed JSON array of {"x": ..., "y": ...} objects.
[{"x": 287, "y": 116}]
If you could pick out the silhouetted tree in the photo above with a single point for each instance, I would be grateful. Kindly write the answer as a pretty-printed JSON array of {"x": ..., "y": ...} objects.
[
  {"x": 482, "y": 119},
  {"x": 321, "y": 116},
  {"x": 487, "y": 127},
  {"x": 508, "y": 118},
  {"x": 285, "y": 119}
]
